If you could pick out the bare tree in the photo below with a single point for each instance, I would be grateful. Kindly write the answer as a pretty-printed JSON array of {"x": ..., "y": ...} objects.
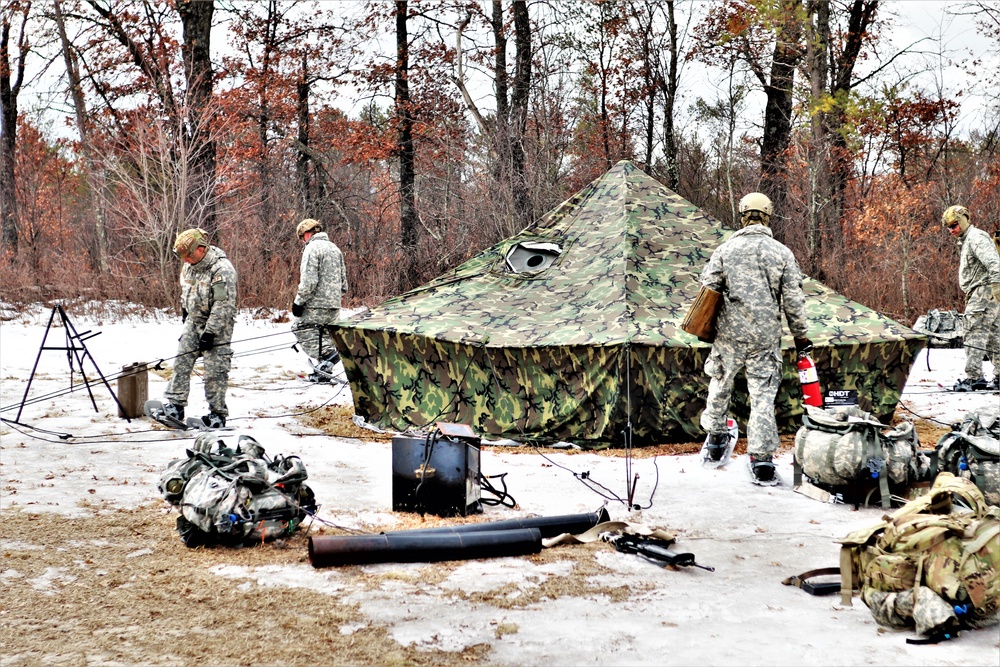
[
  {"x": 196, "y": 19},
  {"x": 765, "y": 35},
  {"x": 99, "y": 253},
  {"x": 14, "y": 15},
  {"x": 779, "y": 88},
  {"x": 506, "y": 135},
  {"x": 150, "y": 53},
  {"x": 405, "y": 148},
  {"x": 153, "y": 193},
  {"x": 831, "y": 61}
]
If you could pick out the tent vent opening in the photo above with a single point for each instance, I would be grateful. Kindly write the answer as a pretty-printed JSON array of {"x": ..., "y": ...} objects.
[{"x": 531, "y": 256}]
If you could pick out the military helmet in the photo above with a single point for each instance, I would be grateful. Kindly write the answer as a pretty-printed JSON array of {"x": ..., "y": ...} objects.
[
  {"x": 755, "y": 201},
  {"x": 755, "y": 208},
  {"x": 308, "y": 225},
  {"x": 954, "y": 214},
  {"x": 189, "y": 240}
]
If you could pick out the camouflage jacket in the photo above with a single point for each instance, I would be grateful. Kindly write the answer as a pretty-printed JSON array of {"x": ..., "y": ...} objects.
[
  {"x": 759, "y": 279},
  {"x": 980, "y": 263},
  {"x": 208, "y": 291},
  {"x": 322, "y": 274}
]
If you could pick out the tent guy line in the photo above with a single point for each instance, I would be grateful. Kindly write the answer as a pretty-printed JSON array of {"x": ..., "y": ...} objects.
[{"x": 92, "y": 383}]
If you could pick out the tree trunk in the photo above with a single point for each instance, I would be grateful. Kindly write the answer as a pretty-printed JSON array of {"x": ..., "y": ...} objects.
[
  {"x": 644, "y": 18},
  {"x": 831, "y": 84},
  {"x": 819, "y": 211},
  {"x": 778, "y": 114},
  {"x": 862, "y": 13},
  {"x": 502, "y": 130},
  {"x": 196, "y": 20},
  {"x": 99, "y": 252},
  {"x": 405, "y": 149},
  {"x": 669, "y": 87},
  {"x": 302, "y": 159},
  {"x": 9, "y": 89},
  {"x": 500, "y": 64},
  {"x": 519, "y": 112}
]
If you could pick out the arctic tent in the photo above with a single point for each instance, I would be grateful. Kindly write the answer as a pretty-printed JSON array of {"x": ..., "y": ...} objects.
[{"x": 570, "y": 330}]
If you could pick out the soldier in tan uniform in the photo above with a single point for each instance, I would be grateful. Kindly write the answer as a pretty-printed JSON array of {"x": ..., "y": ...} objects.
[
  {"x": 208, "y": 313},
  {"x": 322, "y": 284},
  {"x": 759, "y": 280},
  {"x": 979, "y": 278}
]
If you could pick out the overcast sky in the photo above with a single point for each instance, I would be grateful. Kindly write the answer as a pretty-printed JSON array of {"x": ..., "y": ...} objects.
[{"x": 943, "y": 44}]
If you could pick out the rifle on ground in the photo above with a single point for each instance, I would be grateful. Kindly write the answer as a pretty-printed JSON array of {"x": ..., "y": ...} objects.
[{"x": 652, "y": 549}]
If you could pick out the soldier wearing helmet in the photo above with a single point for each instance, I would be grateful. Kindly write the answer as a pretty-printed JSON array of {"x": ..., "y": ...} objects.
[
  {"x": 979, "y": 278},
  {"x": 759, "y": 280},
  {"x": 208, "y": 313},
  {"x": 322, "y": 284}
]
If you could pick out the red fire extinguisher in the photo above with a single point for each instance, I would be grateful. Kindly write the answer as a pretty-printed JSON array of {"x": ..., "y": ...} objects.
[{"x": 809, "y": 379}]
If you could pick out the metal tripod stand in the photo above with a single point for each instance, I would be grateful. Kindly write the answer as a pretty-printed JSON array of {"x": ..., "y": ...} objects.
[{"x": 76, "y": 350}]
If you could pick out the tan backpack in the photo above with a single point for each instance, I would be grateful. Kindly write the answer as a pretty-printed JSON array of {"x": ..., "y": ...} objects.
[{"x": 929, "y": 564}]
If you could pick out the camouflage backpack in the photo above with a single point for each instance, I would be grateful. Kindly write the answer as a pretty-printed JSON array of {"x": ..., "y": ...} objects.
[
  {"x": 232, "y": 497},
  {"x": 943, "y": 328},
  {"x": 929, "y": 564},
  {"x": 973, "y": 451},
  {"x": 845, "y": 450}
]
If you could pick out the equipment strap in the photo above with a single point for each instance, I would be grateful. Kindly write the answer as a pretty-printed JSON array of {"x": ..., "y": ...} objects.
[
  {"x": 877, "y": 455},
  {"x": 935, "y": 638},
  {"x": 822, "y": 588},
  {"x": 846, "y": 575}
]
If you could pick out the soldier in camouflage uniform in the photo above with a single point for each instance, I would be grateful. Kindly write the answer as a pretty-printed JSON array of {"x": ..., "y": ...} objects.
[
  {"x": 979, "y": 278},
  {"x": 759, "y": 279},
  {"x": 208, "y": 312},
  {"x": 322, "y": 283}
]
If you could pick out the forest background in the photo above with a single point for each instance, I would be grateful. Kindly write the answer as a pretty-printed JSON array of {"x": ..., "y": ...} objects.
[{"x": 423, "y": 131}]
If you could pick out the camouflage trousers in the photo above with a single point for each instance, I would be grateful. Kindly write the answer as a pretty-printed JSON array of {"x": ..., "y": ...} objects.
[
  {"x": 918, "y": 606},
  {"x": 217, "y": 362},
  {"x": 311, "y": 333},
  {"x": 763, "y": 371},
  {"x": 982, "y": 333}
]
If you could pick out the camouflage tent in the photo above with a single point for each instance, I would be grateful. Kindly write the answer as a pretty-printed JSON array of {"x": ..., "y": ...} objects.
[{"x": 570, "y": 330}]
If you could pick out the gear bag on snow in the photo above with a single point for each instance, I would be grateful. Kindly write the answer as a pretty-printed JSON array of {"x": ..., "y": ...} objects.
[
  {"x": 972, "y": 451},
  {"x": 847, "y": 451},
  {"x": 932, "y": 563},
  {"x": 231, "y": 497},
  {"x": 943, "y": 328}
]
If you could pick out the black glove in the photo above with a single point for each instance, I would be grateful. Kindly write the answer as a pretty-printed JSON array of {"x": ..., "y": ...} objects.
[
  {"x": 298, "y": 309},
  {"x": 207, "y": 342},
  {"x": 184, "y": 316},
  {"x": 803, "y": 345}
]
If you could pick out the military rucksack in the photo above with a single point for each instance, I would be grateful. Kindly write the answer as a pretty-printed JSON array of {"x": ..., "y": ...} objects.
[
  {"x": 235, "y": 496},
  {"x": 944, "y": 328},
  {"x": 848, "y": 452},
  {"x": 972, "y": 451},
  {"x": 931, "y": 564}
]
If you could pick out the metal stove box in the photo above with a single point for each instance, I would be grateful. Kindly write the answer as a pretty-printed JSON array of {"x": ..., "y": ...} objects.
[{"x": 438, "y": 474}]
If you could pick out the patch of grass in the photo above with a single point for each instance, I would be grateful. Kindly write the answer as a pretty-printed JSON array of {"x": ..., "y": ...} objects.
[
  {"x": 121, "y": 587},
  {"x": 504, "y": 629},
  {"x": 335, "y": 420}
]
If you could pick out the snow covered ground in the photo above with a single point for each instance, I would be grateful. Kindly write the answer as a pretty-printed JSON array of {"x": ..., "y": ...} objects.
[{"x": 739, "y": 615}]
